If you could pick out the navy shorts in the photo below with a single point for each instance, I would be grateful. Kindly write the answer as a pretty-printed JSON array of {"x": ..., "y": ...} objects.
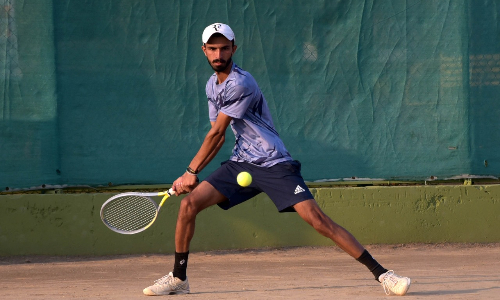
[{"x": 282, "y": 182}]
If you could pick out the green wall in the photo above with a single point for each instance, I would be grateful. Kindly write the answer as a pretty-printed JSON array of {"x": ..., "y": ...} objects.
[{"x": 69, "y": 224}]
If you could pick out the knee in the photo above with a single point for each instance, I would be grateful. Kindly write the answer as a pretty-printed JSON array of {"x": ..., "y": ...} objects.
[
  {"x": 323, "y": 224},
  {"x": 316, "y": 219},
  {"x": 312, "y": 214},
  {"x": 320, "y": 222},
  {"x": 188, "y": 208}
]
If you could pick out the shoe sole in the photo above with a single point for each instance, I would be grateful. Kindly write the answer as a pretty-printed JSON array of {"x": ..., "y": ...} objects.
[{"x": 149, "y": 292}]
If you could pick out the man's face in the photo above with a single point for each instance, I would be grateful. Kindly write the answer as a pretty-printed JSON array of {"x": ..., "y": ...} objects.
[{"x": 219, "y": 52}]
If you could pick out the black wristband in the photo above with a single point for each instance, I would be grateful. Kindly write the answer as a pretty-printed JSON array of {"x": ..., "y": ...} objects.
[{"x": 191, "y": 171}]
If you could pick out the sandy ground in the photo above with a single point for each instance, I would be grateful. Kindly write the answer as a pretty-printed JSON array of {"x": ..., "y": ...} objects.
[{"x": 456, "y": 271}]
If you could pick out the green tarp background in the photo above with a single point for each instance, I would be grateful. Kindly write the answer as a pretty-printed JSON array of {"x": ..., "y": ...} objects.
[{"x": 97, "y": 92}]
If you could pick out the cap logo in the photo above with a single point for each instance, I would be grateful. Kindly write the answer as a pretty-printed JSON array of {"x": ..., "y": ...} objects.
[{"x": 219, "y": 28}]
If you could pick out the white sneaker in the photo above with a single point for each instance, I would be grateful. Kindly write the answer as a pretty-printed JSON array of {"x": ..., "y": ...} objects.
[
  {"x": 168, "y": 285},
  {"x": 393, "y": 283}
]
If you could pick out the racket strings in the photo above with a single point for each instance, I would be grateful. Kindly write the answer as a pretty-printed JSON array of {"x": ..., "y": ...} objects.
[{"x": 130, "y": 213}]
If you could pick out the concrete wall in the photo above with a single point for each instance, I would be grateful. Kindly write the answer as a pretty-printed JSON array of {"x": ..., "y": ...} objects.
[{"x": 69, "y": 224}]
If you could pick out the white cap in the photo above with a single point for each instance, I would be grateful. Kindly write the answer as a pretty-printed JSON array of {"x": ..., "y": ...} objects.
[{"x": 223, "y": 29}]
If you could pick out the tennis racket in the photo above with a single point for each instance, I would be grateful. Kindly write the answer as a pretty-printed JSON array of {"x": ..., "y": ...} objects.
[{"x": 131, "y": 213}]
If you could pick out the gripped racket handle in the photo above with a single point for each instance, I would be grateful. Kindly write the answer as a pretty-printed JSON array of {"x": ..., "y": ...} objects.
[{"x": 167, "y": 194}]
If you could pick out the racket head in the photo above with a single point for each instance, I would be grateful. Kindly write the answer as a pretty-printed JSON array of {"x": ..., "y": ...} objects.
[{"x": 129, "y": 213}]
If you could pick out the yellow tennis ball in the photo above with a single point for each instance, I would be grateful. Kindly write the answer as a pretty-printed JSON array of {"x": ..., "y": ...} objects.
[{"x": 244, "y": 179}]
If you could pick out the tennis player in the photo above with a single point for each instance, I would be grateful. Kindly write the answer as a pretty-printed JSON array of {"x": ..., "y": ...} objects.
[{"x": 235, "y": 99}]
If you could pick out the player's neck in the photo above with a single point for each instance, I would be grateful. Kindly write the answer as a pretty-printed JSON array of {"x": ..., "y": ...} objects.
[{"x": 222, "y": 76}]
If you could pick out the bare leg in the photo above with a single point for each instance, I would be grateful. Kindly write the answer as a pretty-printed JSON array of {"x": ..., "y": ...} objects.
[
  {"x": 312, "y": 214},
  {"x": 203, "y": 196}
]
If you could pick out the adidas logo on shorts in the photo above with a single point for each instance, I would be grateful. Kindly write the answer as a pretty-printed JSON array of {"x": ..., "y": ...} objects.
[{"x": 299, "y": 189}]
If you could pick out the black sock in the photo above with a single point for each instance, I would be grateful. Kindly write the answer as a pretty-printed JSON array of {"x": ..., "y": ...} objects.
[
  {"x": 180, "y": 265},
  {"x": 372, "y": 265}
]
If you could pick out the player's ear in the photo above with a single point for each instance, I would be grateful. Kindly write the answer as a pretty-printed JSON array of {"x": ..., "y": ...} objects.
[
  {"x": 204, "y": 49},
  {"x": 234, "y": 48}
]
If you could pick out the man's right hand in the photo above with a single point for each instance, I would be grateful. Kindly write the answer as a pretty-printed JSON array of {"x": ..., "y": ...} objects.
[{"x": 185, "y": 184}]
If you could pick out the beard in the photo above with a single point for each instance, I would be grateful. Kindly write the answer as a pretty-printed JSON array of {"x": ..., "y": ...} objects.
[{"x": 223, "y": 66}]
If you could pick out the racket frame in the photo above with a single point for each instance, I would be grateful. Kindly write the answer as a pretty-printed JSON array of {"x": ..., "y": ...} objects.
[{"x": 147, "y": 196}]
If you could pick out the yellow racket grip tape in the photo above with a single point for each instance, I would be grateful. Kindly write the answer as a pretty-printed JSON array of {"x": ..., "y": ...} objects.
[{"x": 167, "y": 194}]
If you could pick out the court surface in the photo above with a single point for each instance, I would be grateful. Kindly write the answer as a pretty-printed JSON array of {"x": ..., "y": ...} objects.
[{"x": 449, "y": 271}]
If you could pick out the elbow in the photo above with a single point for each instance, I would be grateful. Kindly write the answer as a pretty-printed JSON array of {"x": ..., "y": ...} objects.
[{"x": 217, "y": 135}]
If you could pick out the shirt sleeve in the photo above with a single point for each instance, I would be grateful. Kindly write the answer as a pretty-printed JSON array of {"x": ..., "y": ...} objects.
[
  {"x": 212, "y": 111},
  {"x": 237, "y": 100}
]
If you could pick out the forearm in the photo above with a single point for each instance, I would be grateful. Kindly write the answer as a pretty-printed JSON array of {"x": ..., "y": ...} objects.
[
  {"x": 212, "y": 155},
  {"x": 208, "y": 150}
]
